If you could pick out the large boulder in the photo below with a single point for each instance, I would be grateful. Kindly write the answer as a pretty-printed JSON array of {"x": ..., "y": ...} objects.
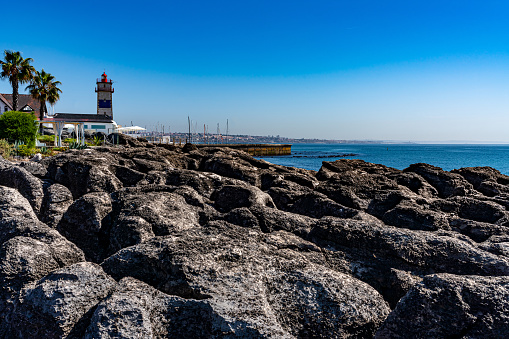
[
  {"x": 275, "y": 292},
  {"x": 225, "y": 164},
  {"x": 136, "y": 309},
  {"x": 229, "y": 197},
  {"x": 25, "y": 183},
  {"x": 60, "y": 304},
  {"x": 165, "y": 211},
  {"x": 445, "y": 306},
  {"x": 85, "y": 224},
  {"x": 84, "y": 171},
  {"x": 420, "y": 249},
  {"x": 57, "y": 199},
  {"x": 17, "y": 219},
  {"x": 486, "y": 180},
  {"x": 447, "y": 184}
]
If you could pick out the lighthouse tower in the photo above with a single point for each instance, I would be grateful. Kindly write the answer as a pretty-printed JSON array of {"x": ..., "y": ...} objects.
[{"x": 104, "y": 92}]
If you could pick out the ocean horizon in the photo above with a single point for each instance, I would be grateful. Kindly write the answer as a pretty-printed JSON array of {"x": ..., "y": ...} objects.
[{"x": 399, "y": 156}]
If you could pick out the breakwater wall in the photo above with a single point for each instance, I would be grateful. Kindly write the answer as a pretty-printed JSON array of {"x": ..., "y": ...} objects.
[{"x": 256, "y": 149}]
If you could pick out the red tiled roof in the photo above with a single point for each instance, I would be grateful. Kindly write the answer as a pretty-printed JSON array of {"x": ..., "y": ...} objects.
[
  {"x": 23, "y": 100},
  {"x": 5, "y": 101}
]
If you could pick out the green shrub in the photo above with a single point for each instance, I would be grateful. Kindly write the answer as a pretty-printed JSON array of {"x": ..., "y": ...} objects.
[
  {"x": 45, "y": 150},
  {"x": 76, "y": 145},
  {"x": 18, "y": 126},
  {"x": 47, "y": 139},
  {"x": 6, "y": 149},
  {"x": 98, "y": 141},
  {"x": 26, "y": 151},
  {"x": 69, "y": 140}
]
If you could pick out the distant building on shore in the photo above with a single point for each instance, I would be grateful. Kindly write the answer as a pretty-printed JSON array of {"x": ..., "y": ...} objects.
[
  {"x": 26, "y": 103},
  {"x": 104, "y": 92},
  {"x": 102, "y": 121}
]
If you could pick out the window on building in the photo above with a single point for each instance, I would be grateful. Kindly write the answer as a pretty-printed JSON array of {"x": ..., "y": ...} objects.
[
  {"x": 6, "y": 109},
  {"x": 98, "y": 126},
  {"x": 104, "y": 103},
  {"x": 85, "y": 126}
]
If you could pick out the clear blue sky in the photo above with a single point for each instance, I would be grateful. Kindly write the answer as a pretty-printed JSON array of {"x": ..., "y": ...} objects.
[{"x": 384, "y": 70}]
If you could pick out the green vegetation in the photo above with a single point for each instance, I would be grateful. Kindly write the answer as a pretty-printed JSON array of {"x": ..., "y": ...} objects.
[
  {"x": 45, "y": 150},
  {"x": 44, "y": 88},
  {"x": 98, "y": 141},
  {"x": 76, "y": 145},
  {"x": 17, "y": 70},
  {"x": 26, "y": 151},
  {"x": 47, "y": 139},
  {"x": 18, "y": 126},
  {"x": 6, "y": 149}
]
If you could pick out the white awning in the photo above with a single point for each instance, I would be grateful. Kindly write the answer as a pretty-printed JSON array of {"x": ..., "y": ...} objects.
[{"x": 131, "y": 129}]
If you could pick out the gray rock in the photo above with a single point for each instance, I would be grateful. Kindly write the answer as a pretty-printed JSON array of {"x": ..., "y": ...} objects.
[
  {"x": 146, "y": 165},
  {"x": 417, "y": 248},
  {"x": 257, "y": 280},
  {"x": 136, "y": 309},
  {"x": 60, "y": 304},
  {"x": 13, "y": 204},
  {"x": 36, "y": 158},
  {"x": 83, "y": 223},
  {"x": 25, "y": 183},
  {"x": 483, "y": 211},
  {"x": 447, "y": 184},
  {"x": 84, "y": 171},
  {"x": 445, "y": 305},
  {"x": 204, "y": 183},
  {"x": 232, "y": 196},
  {"x": 271, "y": 220},
  {"x": 415, "y": 217},
  {"x": 128, "y": 231},
  {"x": 476, "y": 230},
  {"x": 216, "y": 258},
  {"x": 128, "y": 176},
  {"x": 417, "y": 184},
  {"x": 18, "y": 219},
  {"x": 34, "y": 168},
  {"x": 486, "y": 180},
  {"x": 226, "y": 165},
  {"x": 242, "y": 217},
  {"x": 57, "y": 199},
  {"x": 166, "y": 212},
  {"x": 22, "y": 260},
  {"x": 317, "y": 205}
]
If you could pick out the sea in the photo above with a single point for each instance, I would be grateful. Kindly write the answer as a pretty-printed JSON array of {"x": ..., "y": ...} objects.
[{"x": 399, "y": 156}]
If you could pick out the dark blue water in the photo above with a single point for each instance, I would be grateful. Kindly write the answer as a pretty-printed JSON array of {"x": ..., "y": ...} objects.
[{"x": 448, "y": 157}]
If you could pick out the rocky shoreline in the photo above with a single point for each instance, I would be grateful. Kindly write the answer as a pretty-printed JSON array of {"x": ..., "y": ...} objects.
[{"x": 147, "y": 241}]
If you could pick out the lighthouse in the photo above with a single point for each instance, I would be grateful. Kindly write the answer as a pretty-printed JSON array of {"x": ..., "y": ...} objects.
[{"x": 104, "y": 92}]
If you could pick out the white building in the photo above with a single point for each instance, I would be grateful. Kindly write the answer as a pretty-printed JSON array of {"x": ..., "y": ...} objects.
[{"x": 100, "y": 122}]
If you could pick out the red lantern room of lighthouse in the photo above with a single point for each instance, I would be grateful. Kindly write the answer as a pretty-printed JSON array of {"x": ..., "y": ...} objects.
[{"x": 104, "y": 92}]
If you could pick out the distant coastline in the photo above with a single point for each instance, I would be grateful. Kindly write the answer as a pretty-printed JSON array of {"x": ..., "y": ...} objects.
[{"x": 200, "y": 138}]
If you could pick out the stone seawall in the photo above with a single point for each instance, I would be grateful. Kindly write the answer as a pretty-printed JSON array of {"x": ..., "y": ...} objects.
[
  {"x": 160, "y": 241},
  {"x": 257, "y": 149}
]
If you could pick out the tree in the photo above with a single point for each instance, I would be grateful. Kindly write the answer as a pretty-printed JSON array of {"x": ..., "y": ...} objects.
[
  {"x": 18, "y": 126},
  {"x": 44, "y": 88},
  {"x": 17, "y": 70}
]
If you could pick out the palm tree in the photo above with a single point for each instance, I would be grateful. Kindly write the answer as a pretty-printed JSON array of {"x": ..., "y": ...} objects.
[
  {"x": 17, "y": 70},
  {"x": 44, "y": 88}
]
